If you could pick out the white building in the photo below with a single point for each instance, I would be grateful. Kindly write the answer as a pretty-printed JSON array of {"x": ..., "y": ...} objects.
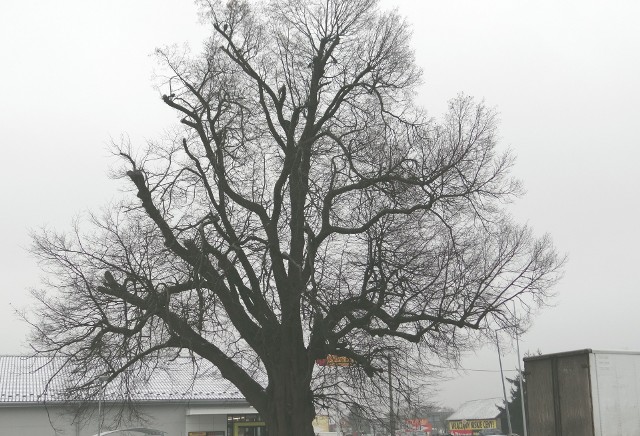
[
  {"x": 176, "y": 402},
  {"x": 474, "y": 416}
]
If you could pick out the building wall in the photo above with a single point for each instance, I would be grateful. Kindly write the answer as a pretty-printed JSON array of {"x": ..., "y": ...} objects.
[
  {"x": 38, "y": 420},
  {"x": 206, "y": 423},
  {"x": 170, "y": 418},
  {"x": 58, "y": 421}
]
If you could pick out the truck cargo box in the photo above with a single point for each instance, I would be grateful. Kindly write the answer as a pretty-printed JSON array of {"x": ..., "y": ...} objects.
[{"x": 583, "y": 393}]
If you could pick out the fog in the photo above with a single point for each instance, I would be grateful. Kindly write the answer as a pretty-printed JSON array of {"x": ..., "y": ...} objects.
[{"x": 563, "y": 76}]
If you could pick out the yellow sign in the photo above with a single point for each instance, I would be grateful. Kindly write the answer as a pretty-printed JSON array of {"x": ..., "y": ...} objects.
[
  {"x": 473, "y": 424},
  {"x": 333, "y": 360},
  {"x": 321, "y": 423}
]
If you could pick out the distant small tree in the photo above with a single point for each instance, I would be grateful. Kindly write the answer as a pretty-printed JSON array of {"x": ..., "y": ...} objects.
[
  {"x": 514, "y": 405},
  {"x": 306, "y": 207}
]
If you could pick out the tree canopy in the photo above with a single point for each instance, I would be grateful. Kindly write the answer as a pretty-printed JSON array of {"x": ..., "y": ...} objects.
[{"x": 306, "y": 207}]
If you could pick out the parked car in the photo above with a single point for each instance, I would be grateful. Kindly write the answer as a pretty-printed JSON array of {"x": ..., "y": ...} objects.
[{"x": 491, "y": 432}]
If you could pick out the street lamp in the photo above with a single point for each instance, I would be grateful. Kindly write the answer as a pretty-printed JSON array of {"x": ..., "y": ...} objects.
[
  {"x": 504, "y": 391},
  {"x": 102, "y": 379},
  {"x": 520, "y": 375},
  {"x": 392, "y": 420}
]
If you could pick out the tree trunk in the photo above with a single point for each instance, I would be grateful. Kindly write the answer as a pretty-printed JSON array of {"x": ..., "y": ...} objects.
[{"x": 290, "y": 409}]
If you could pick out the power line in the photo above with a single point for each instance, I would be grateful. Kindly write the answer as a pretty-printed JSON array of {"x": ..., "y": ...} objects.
[{"x": 473, "y": 369}]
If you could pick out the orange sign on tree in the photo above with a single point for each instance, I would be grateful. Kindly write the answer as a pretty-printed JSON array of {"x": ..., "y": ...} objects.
[{"x": 333, "y": 360}]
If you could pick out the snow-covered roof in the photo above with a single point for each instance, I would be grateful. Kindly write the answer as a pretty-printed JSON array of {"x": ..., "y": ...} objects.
[
  {"x": 477, "y": 409},
  {"x": 24, "y": 380},
  {"x": 28, "y": 379}
]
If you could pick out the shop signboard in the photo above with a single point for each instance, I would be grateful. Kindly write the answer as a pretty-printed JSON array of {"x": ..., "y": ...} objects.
[
  {"x": 471, "y": 426},
  {"x": 333, "y": 360},
  {"x": 419, "y": 424}
]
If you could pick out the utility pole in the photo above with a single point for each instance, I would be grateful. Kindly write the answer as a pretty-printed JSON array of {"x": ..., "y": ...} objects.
[
  {"x": 392, "y": 419},
  {"x": 520, "y": 375},
  {"x": 504, "y": 389},
  {"x": 101, "y": 379}
]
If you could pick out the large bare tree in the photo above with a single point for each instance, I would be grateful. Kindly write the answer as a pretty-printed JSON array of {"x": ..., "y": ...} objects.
[{"x": 306, "y": 207}]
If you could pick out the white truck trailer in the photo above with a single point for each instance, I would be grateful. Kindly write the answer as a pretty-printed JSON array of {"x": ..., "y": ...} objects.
[{"x": 583, "y": 393}]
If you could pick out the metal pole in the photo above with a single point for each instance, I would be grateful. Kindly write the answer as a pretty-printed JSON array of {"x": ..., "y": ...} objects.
[
  {"x": 524, "y": 415},
  {"x": 101, "y": 379},
  {"x": 504, "y": 389},
  {"x": 392, "y": 420},
  {"x": 100, "y": 413}
]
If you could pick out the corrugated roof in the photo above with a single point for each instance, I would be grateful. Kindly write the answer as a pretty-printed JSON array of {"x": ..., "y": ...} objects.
[
  {"x": 27, "y": 379},
  {"x": 477, "y": 409}
]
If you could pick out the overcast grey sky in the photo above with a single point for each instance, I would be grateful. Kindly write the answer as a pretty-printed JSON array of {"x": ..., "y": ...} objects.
[{"x": 564, "y": 76}]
